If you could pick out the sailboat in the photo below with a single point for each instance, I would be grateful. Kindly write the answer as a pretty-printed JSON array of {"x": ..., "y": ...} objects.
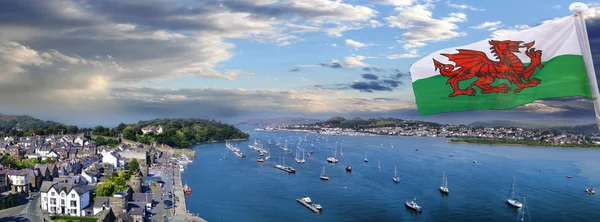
[
  {"x": 396, "y": 178},
  {"x": 378, "y": 165},
  {"x": 521, "y": 216},
  {"x": 366, "y": 160},
  {"x": 333, "y": 159},
  {"x": 341, "y": 150},
  {"x": 444, "y": 186},
  {"x": 512, "y": 196},
  {"x": 268, "y": 154},
  {"x": 324, "y": 175},
  {"x": 298, "y": 160}
]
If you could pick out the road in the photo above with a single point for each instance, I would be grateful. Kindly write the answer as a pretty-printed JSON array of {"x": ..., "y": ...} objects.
[
  {"x": 159, "y": 213},
  {"x": 28, "y": 211}
]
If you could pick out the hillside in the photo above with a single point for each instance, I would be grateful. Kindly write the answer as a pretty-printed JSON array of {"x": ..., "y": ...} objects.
[
  {"x": 581, "y": 129},
  {"x": 508, "y": 123},
  {"x": 182, "y": 132},
  {"x": 27, "y": 125},
  {"x": 281, "y": 121},
  {"x": 360, "y": 123}
]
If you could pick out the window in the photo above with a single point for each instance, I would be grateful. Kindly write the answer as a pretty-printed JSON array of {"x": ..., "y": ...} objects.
[
  {"x": 53, "y": 201},
  {"x": 72, "y": 195},
  {"x": 45, "y": 199},
  {"x": 62, "y": 202},
  {"x": 62, "y": 194},
  {"x": 73, "y": 203},
  {"x": 53, "y": 209},
  {"x": 52, "y": 193}
]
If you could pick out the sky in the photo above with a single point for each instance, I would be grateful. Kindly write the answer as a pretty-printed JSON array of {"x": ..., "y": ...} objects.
[{"x": 101, "y": 62}]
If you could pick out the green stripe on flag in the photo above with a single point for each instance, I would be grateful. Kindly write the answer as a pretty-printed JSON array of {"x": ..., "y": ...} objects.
[{"x": 562, "y": 76}]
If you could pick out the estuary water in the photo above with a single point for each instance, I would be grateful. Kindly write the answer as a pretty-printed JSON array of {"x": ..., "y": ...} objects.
[{"x": 240, "y": 189}]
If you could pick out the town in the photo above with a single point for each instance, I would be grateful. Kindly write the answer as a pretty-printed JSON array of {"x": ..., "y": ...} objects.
[
  {"x": 70, "y": 178},
  {"x": 461, "y": 133}
]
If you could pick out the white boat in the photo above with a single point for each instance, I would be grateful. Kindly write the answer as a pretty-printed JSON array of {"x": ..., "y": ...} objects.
[
  {"x": 444, "y": 186},
  {"x": 512, "y": 196},
  {"x": 396, "y": 178},
  {"x": 268, "y": 154},
  {"x": 378, "y": 165},
  {"x": 298, "y": 160},
  {"x": 474, "y": 161},
  {"x": 324, "y": 175},
  {"x": 413, "y": 205},
  {"x": 333, "y": 159},
  {"x": 366, "y": 160},
  {"x": 180, "y": 168}
]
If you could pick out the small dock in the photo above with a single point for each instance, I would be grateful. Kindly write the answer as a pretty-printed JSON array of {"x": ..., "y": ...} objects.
[{"x": 307, "y": 205}]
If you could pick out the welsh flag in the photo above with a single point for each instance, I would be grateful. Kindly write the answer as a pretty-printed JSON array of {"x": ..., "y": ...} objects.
[{"x": 541, "y": 62}]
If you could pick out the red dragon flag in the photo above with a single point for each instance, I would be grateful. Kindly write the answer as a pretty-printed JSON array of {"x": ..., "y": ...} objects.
[{"x": 502, "y": 73}]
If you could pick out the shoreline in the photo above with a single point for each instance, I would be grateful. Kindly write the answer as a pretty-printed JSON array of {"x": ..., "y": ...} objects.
[
  {"x": 453, "y": 142},
  {"x": 523, "y": 145}
]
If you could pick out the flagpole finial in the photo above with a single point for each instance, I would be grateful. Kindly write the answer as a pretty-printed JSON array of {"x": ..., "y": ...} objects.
[{"x": 578, "y": 7}]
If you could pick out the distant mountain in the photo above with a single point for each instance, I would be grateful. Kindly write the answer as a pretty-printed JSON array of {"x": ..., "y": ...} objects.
[
  {"x": 509, "y": 123},
  {"x": 281, "y": 121},
  {"x": 581, "y": 129},
  {"x": 341, "y": 122}
]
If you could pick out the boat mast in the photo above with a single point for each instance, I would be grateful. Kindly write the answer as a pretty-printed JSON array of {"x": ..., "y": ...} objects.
[{"x": 512, "y": 189}]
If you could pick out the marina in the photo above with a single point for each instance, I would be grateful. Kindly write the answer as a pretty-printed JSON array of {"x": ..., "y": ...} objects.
[{"x": 421, "y": 171}]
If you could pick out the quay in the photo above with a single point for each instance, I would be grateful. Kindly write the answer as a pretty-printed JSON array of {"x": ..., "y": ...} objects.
[
  {"x": 307, "y": 205},
  {"x": 180, "y": 210},
  {"x": 286, "y": 169}
]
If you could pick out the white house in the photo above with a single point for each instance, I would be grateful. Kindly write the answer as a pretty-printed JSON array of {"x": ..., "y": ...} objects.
[
  {"x": 52, "y": 155},
  {"x": 64, "y": 198},
  {"x": 80, "y": 141},
  {"x": 152, "y": 129},
  {"x": 89, "y": 178},
  {"x": 114, "y": 159},
  {"x": 19, "y": 180}
]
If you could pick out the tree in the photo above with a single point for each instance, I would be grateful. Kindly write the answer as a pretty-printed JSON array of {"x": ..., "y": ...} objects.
[
  {"x": 132, "y": 166},
  {"x": 107, "y": 188},
  {"x": 129, "y": 133}
]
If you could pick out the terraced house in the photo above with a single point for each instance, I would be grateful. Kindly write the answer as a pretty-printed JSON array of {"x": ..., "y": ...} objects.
[{"x": 66, "y": 198}]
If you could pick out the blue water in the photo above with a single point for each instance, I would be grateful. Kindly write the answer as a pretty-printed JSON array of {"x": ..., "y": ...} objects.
[{"x": 236, "y": 189}]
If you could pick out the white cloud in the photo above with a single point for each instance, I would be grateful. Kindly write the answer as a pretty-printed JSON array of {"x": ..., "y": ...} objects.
[
  {"x": 503, "y": 32},
  {"x": 375, "y": 23},
  {"x": 412, "y": 54},
  {"x": 463, "y": 7},
  {"x": 395, "y": 2},
  {"x": 354, "y": 61},
  {"x": 556, "y": 6},
  {"x": 420, "y": 26},
  {"x": 488, "y": 25},
  {"x": 333, "y": 45},
  {"x": 356, "y": 44}
]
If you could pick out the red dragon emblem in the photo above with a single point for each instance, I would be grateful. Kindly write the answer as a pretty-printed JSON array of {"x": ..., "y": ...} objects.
[{"x": 471, "y": 63}]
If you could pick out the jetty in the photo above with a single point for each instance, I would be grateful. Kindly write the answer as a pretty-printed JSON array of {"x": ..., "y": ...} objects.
[
  {"x": 312, "y": 207},
  {"x": 180, "y": 210}
]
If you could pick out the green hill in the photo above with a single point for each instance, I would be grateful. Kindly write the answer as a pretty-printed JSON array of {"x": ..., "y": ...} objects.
[
  {"x": 182, "y": 132},
  {"x": 26, "y": 125}
]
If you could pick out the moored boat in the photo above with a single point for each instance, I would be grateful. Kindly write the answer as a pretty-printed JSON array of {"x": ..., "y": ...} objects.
[
  {"x": 444, "y": 186},
  {"x": 512, "y": 196},
  {"x": 413, "y": 205},
  {"x": 260, "y": 160},
  {"x": 324, "y": 175},
  {"x": 590, "y": 190},
  {"x": 348, "y": 168},
  {"x": 187, "y": 189}
]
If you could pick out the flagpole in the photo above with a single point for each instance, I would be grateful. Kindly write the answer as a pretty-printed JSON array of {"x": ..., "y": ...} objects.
[{"x": 584, "y": 43}]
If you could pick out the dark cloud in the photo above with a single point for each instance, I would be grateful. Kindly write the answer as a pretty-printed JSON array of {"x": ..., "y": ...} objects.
[
  {"x": 295, "y": 69},
  {"x": 369, "y": 76},
  {"x": 593, "y": 28},
  {"x": 331, "y": 65},
  {"x": 371, "y": 86},
  {"x": 375, "y": 69}
]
